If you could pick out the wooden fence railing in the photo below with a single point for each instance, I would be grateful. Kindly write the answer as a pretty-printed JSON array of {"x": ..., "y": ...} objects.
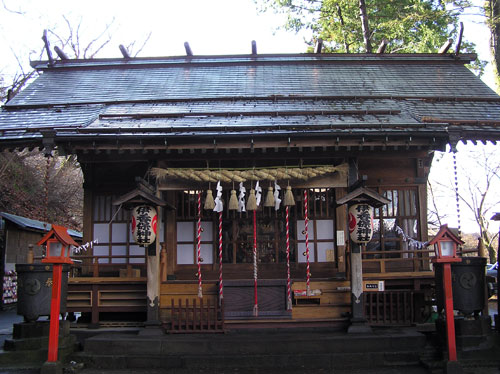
[
  {"x": 392, "y": 307},
  {"x": 195, "y": 317},
  {"x": 397, "y": 261}
]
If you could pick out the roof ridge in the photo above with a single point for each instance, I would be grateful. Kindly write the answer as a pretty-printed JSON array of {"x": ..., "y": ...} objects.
[{"x": 294, "y": 58}]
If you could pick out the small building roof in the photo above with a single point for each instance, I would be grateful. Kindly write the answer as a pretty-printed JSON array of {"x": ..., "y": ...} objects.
[
  {"x": 61, "y": 234},
  {"x": 34, "y": 225},
  {"x": 160, "y": 101}
]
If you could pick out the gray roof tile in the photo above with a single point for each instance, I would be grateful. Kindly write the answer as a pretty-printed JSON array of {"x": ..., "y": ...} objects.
[{"x": 364, "y": 94}]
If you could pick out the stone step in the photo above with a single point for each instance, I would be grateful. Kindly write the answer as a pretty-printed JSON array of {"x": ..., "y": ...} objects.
[
  {"x": 248, "y": 344},
  {"x": 216, "y": 363},
  {"x": 27, "y": 344},
  {"x": 9, "y": 359}
]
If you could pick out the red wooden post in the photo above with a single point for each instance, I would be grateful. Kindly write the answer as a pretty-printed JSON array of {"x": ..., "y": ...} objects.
[
  {"x": 450, "y": 319},
  {"x": 55, "y": 305},
  {"x": 445, "y": 246},
  {"x": 58, "y": 249}
]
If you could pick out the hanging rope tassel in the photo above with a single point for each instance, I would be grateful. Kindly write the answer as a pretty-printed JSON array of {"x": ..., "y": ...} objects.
[
  {"x": 269, "y": 202},
  {"x": 209, "y": 201},
  {"x": 198, "y": 237},
  {"x": 288, "y": 288},
  {"x": 289, "y": 200},
  {"x": 256, "y": 305},
  {"x": 233, "y": 201},
  {"x": 306, "y": 223}
]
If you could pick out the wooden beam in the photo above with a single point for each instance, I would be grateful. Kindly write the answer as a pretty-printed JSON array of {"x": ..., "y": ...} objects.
[
  {"x": 319, "y": 46},
  {"x": 124, "y": 51},
  {"x": 254, "y": 47},
  {"x": 445, "y": 47},
  {"x": 184, "y": 148},
  {"x": 60, "y": 53},
  {"x": 382, "y": 46},
  {"x": 47, "y": 47},
  {"x": 189, "y": 52}
]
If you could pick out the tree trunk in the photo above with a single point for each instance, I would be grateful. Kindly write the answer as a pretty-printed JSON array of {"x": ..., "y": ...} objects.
[
  {"x": 364, "y": 25},
  {"x": 342, "y": 23}
]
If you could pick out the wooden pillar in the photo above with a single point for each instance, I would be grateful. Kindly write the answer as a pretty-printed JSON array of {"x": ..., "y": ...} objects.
[
  {"x": 170, "y": 234},
  {"x": 88, "y": 209},
  {"x": 153, "y": 323},
  {"x": 94, "y": 323},
  {"x": 358, "y": 321},
  {"x": 340, "y": 222},
  {"x": 163, "y": 262},
  {"x": 153, "y": 286}
]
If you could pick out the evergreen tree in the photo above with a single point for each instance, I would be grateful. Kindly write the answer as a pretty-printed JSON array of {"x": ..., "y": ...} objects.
[{"x": 409, "y": 26}]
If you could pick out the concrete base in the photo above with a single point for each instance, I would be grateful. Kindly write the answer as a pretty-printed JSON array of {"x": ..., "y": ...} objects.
[
  {"x": 152, "y": 327},
  {"x": 51, "y": 368},
  {"x": 360, "y": 327},
  {"x": 453, "y": 367},
  {"x": 151, "y": 331}
]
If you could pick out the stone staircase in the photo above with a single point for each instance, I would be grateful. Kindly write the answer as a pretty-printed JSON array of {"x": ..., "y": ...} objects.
[
  {"x": 28, "y": 347},
  {"x": 276, "y": 350}
]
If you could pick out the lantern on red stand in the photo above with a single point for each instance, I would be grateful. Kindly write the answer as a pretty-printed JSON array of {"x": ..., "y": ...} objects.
[
  {"x": 445, "y": 247},
  {"x": 58, "y": 245}
]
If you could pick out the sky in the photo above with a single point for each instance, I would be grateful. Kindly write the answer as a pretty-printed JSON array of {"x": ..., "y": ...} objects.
[{"x": 210, "y": 27}]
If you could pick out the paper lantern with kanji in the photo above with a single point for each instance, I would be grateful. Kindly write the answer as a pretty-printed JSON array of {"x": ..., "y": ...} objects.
[
  {"x": 361, "y": 223},
  {"x": 144, "y": 221}
]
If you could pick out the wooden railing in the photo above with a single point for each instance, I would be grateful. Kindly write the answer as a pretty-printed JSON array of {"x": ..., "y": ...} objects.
[
  {"x": 196, "y": 317},
  {"x": 392, "y": 307},
  {"x": 90, "y": 265},
  {"x": 108, "y": 294},
  {"x": 413, "y": 261}
]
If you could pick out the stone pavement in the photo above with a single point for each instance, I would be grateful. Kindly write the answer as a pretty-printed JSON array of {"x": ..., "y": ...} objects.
[
  {"x": 7, "y": 319},
  {"x": 481, "y": 364}
]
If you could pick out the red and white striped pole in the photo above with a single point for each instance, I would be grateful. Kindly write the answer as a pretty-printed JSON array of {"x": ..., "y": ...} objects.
[
  {"x": 288, "y": 288},
  {"x": 198, "y": 237},
  {"x": 221, "y": 288},
  {"x": 306, "y": 223}
]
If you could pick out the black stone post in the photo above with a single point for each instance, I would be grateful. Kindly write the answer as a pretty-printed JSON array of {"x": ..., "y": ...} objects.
[
  {"x": 497, "y": 316},
  {"x": 496, "y": 217}
]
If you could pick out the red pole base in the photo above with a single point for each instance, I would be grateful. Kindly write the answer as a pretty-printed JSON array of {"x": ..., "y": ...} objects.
[{"x": 55, "y": 305}]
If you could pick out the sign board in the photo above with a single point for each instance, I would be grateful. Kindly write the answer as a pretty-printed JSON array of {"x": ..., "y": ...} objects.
[
  {"x": 373, "y": 286},
  {"x": 340, "y": 237}
]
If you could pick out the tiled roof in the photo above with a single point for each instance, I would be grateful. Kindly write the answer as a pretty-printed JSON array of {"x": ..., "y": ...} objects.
[
  {"x": 32, "y": 224},
  {"x": 224, "y": 95}
]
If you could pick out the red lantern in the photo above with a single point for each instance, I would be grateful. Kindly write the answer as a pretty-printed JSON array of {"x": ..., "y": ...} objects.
[
  {"x": 58, "y": 245},
  {"x": 361, "y": 223},
  {"x": 144, "y": 222}
]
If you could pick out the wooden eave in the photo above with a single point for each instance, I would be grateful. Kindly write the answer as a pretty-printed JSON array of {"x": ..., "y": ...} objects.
[
  {"x": 363, "y": 194},
  {"x": 140, "y": 196}
]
